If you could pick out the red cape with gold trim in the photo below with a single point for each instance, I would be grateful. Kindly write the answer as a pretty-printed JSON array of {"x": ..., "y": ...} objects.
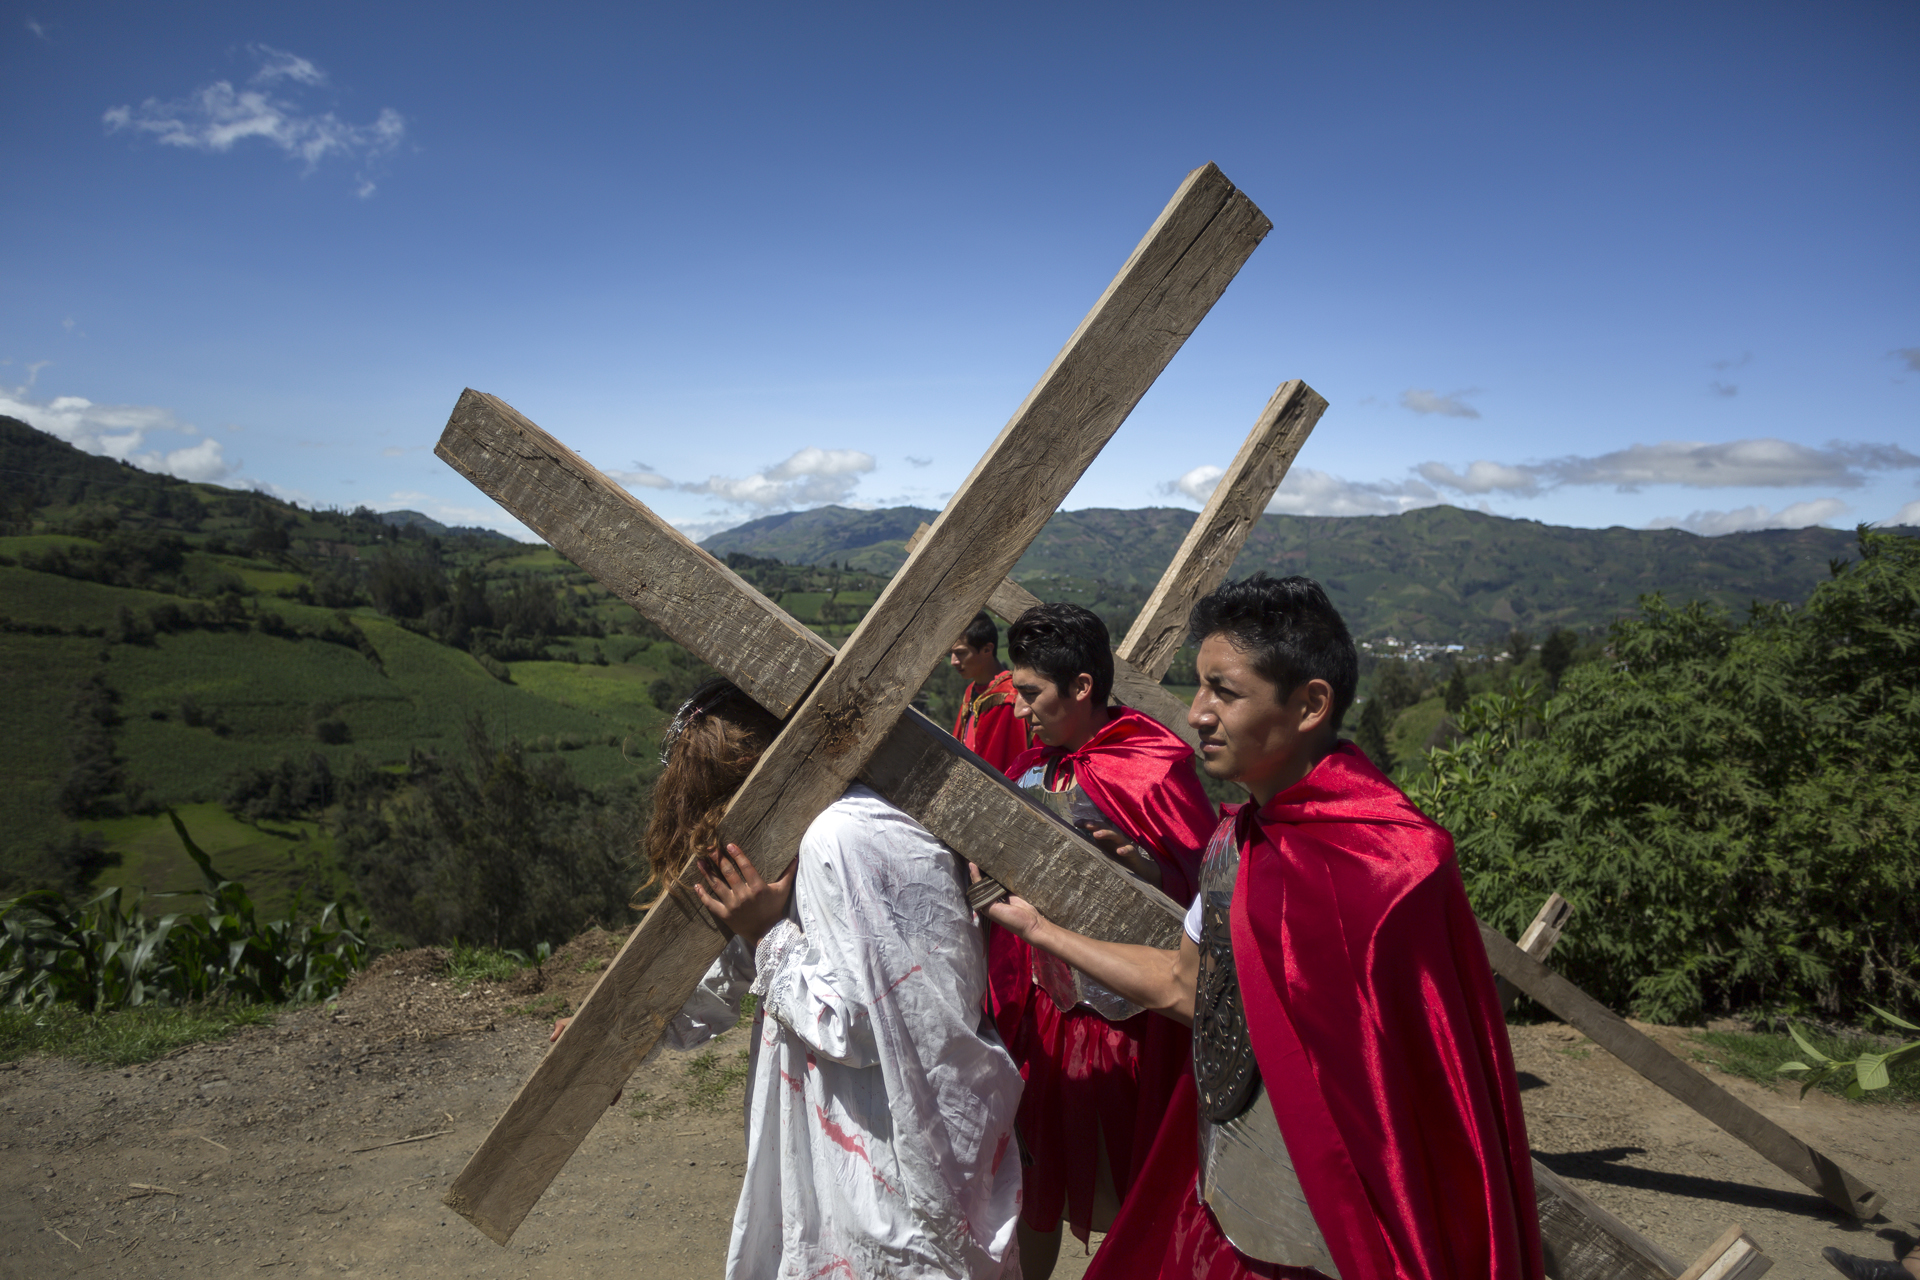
[
  {"x": 986, "y": 724},
  {"x": 1382, "y": 1044}
]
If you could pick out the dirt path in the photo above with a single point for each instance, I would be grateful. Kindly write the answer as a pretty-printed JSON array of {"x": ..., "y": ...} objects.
[{"x": 249, "y": 1158}]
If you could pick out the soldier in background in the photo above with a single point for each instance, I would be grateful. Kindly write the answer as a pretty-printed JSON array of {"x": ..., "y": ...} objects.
[{"x": 986, "y": 724}]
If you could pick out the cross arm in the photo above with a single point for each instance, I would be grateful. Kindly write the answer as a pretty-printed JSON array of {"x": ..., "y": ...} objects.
[
  {"x": 1232, "y": 510},
  {"x": 1173, "y": 278},
  {"x": 1610, "y": 1031}
]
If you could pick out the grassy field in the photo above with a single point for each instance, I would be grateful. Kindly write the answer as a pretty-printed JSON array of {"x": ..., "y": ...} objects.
[{"x": 274, "y": 860}]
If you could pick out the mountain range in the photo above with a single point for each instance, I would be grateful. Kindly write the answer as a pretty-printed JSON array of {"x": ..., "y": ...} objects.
[{"x": 1438, "y": 574}]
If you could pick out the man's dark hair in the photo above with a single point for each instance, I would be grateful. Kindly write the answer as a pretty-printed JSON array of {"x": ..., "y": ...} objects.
[
  {"x": 1290, "y": 630},
  {"x": 1060, "y": 641},
  {"x": 982, "y": 634}
]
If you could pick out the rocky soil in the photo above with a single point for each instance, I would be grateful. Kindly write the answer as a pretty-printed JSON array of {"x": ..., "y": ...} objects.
[{"x": 322, "y": 1145}]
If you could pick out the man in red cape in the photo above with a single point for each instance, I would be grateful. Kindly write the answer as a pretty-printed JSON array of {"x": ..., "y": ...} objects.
[
  {"x": 1095, "y": 1087},
  {"x": 1368, "y": 1000},
  {"x": 986, "y": 724}
]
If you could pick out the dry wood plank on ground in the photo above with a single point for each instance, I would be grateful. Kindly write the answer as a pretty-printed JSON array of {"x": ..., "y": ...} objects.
[
  {"x": 1611, "y": 1032},
  {"x": 1582, "y": 1241}
]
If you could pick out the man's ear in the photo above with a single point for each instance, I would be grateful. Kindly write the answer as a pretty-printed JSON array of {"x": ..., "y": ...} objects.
[
  {"x": 1081, "y": 690},
  {"x": 1315, "y": 700}
]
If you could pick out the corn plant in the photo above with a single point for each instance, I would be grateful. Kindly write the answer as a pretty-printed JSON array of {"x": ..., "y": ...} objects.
[
  {"x": 1870, "y": 1070},
  {"x": 107, "y": 954}
]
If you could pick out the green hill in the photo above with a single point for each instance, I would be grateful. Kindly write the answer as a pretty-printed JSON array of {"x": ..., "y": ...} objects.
[
  {"x": 1440, "y": 574},
  {"x": 243, "y": 659}
]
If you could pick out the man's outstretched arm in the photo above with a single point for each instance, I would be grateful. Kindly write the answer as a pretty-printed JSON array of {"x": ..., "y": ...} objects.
[{"x": 1162, "y": 981}]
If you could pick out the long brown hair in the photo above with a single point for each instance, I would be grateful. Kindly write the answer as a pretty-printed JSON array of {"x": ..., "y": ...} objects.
[{"x": 712, "y": 745}]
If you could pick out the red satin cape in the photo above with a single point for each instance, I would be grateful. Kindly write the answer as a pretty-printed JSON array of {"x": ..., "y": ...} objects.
[
  {"x": 1076, "y": 1064},
  {"x": 1383, "y": 1046},
  {"x": 993, "y": 733}
]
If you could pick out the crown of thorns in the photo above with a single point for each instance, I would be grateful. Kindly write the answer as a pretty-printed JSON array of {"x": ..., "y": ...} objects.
[{"x": 692, "y": 709}]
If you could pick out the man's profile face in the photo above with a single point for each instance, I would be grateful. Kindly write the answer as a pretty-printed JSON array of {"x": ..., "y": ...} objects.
[
  {"x": 1248, "y": 733},
  {"x": 974, "y": 664},
  {"x": 1059, "y": 718}
]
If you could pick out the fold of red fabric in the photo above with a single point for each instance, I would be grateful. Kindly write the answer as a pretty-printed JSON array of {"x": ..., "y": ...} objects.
[
  {"x": 1164, "y": 1229},
  {"x": 1077, "y": 1065},
  {"x": 1382, "y": 1045},
  {"x": 986, "y": 724}
]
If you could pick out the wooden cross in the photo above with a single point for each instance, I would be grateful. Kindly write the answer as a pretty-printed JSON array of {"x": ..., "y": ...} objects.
[
  {"x": 845, "y": 710},
  {"x": 846, "y": 713}
]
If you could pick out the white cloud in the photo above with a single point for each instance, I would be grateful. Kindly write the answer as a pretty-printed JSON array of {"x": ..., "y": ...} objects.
[
  {"x": 201, "y": 463},
  {"x": 1306, "y": 492},
  {"x": 119, "y": 431},
  {"x": 1482, "y": 476},
  {"x": 217, "y": 116},
  {"x": 278, "y": 64},
  {"x": 1763, "y": 463},
  {"x": 1451, "y": 405},
  {"x": 1909, "y": 514},
  {"x": 39, "y": 30},
  {"x": 919, "y": 462},
  {"x": 1728, "y": 389},
  {"x": 810, "y": 477},
  {"x": 1736, "y": 463},
  {"x": 1797, "y": 515},
  {"x": 1911, "y": 355},
  {"x": 1197, "y": 484},
  {"x": 647, "y": 479}
]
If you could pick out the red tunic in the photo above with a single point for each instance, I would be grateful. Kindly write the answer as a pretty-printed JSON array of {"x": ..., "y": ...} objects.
[
  {"x": 986, "y": 724},
  {"x": 1077, "y": 1065},
  {"x": 1383, "y": 1048}
]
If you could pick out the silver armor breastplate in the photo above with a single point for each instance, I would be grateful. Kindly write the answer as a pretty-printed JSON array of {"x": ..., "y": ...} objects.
[
  {"x": 1065, "y": 985},
  {"x": 1246, "y": 1176}
]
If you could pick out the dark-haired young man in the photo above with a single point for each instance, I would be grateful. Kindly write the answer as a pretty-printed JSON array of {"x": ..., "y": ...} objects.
[
  {"x": 1353, "y": 1108},
  {"x": 1099, "y": 1071},
  {"x": 986, "y": 724}
]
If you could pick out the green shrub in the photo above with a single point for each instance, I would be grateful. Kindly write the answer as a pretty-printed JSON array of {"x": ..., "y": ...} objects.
[
  {"x": 1731, "y": 808},
  {"x": 107, "y": 954}
]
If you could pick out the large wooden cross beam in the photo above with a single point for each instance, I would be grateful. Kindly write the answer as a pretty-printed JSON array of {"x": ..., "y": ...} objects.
[{"x": 840, "y": 708}]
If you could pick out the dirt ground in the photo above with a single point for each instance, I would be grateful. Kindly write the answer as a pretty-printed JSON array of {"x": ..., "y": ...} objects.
[{"x": 283, "y": 1151}]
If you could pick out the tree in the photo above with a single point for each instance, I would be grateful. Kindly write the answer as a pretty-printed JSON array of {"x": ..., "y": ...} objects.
[
  {"x": 492, "y": 849},
  {"x": 1371, "y": 735},
  {"x": 1519, "y": 645},
  {"x": 1556, "y": 655},
  {"x": 1732, "y": 806},
  {"x": 1397, "y": 686},
  {"x": 1457, "y": 690}
]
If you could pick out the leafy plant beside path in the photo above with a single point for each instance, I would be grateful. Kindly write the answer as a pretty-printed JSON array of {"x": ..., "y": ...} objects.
[
  {"x": 106, "y": 954},
  {"x": 1733, "y": 808}
]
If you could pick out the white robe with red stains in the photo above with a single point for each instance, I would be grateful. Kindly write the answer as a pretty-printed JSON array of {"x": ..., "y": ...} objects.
[{"x": 880, "y": 1104}]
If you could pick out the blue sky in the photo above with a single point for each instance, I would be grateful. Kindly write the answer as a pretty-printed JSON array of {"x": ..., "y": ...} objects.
[{"x": 1585, "y": 264}]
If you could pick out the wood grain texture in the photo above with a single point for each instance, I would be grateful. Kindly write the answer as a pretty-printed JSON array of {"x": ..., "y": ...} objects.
[
  {"x": 984, "y": 818},
  {"x": 1142, "y": 692},
  {"x": 609, "y": 533},
  {"x": 1538, "y": 941},
  {"x": 1214, "y": 541},
  {"x": 1734, "y": 1256},
  {"x": 1186, "y": 260},
  {"x": 1582, "y": 1241},
  {"x": 1611, "y": 1032}
]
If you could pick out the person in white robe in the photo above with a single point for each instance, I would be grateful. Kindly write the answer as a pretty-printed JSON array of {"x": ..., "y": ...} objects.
[{"x": 880, "y": 1102}]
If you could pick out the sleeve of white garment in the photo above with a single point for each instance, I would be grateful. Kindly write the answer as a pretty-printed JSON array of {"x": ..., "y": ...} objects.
[
  {"x": 882, "y": 931},
  {"x": 715, "y": 1004}
]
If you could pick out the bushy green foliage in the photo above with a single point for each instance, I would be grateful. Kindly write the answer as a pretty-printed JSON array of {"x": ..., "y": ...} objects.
[
  {"x": 1732, "y": 808},
  {"x": 107, "y": 954},
  {"x": 1871, "y": 1068},
  {"x": 498, "y": 848},
  {"x": 468, "y": 964}
]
